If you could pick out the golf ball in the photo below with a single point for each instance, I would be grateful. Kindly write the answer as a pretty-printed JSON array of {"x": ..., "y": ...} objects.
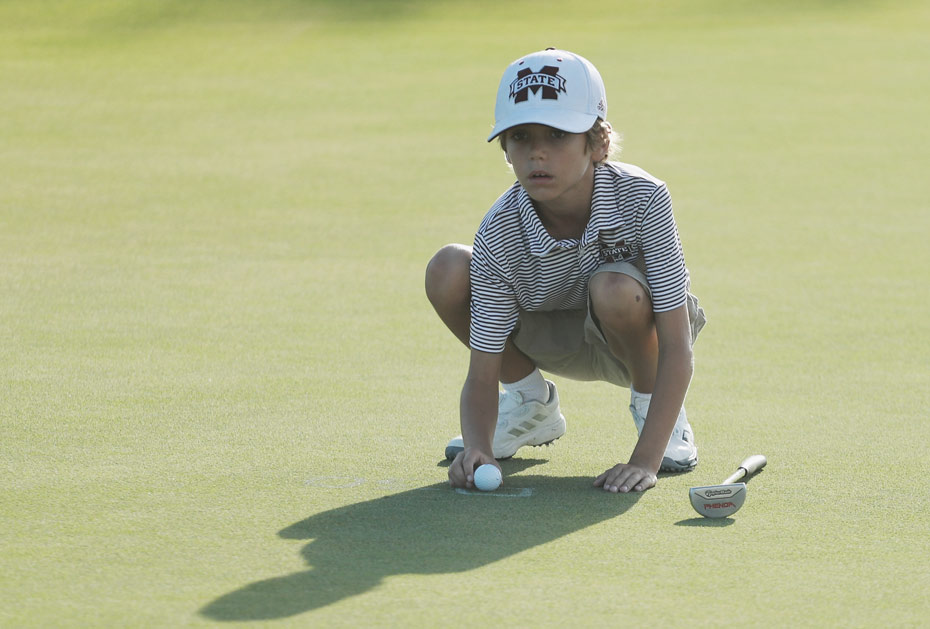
[{"x": 487, "y": 477}]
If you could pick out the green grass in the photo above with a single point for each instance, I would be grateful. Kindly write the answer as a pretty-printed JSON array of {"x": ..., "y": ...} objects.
[{"x": 224, "y": 395}]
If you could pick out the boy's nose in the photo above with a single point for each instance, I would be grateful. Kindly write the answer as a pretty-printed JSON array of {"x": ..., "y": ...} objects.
[{"x": 537, "y": 148}]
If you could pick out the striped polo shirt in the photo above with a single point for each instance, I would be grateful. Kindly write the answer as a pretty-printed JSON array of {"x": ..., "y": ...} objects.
[{"x": 516, "y": 265}]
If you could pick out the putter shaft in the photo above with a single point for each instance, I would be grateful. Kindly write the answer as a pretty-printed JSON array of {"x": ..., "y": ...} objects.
[{"x": 751, "y": 465}]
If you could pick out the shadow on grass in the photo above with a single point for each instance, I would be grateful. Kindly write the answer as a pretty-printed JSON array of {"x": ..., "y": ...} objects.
[
  {"x": 706, "y": 522},
  {"x": 428, "y": 530}
]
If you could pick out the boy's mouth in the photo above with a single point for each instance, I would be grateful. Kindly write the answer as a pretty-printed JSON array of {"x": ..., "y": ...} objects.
[{"x": 540, "y": 174}]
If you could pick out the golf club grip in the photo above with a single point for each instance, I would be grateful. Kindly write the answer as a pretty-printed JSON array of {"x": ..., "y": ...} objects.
[
  {"x": 754, "y": 463},
  {"x": 749, "y": 466}
]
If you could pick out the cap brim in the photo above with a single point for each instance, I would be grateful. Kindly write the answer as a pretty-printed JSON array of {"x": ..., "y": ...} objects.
[{"x": 568, "y": 121}]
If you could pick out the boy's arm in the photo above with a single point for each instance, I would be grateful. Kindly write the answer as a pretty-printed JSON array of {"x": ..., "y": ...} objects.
[
  {"x": 673, "y": 375},
  {"x": 478, "y": 415}
]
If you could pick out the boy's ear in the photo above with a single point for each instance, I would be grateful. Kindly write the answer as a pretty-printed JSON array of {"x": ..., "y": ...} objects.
[{"x": 605, "y": 144}]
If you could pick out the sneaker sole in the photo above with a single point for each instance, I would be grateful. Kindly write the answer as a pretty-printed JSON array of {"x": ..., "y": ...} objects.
[
  {"x": 452, "y": 451},
  {"x": 669, "y": 465}
]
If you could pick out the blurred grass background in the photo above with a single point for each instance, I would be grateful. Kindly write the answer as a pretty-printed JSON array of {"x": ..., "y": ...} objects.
[{"x": 214, "y": 219}]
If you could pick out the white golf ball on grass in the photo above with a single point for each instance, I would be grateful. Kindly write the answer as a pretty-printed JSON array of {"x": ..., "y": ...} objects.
[{"x": 487, "y": 477}]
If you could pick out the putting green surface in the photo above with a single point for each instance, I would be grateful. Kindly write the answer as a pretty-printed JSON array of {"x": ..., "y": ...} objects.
[{"x": 224, "y": 396}]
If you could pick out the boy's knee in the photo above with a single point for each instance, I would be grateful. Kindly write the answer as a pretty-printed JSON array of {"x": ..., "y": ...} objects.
[
  {"x": 447, "y": 273},
  {"x": 619, "y": 298}
]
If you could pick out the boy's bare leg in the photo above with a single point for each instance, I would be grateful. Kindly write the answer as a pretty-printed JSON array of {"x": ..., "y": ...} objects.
[
  {"x": 624, "y": 311},
  {"x": 448, "y": 288}
]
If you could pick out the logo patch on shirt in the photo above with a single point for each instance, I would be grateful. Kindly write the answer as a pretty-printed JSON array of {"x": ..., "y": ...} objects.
[
  {"x": 615, "y": 252},
  {"x": 547, "y": 79}
]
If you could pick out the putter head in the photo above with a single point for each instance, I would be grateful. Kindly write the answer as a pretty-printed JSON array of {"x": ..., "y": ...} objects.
[{"x": 718, "y": 501}]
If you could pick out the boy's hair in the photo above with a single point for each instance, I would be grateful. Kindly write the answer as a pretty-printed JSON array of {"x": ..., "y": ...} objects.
[{"x": 600, "y": 130}]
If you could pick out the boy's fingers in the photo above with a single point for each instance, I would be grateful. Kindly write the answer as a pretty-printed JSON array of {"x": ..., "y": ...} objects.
[
  {"x": 462, "y": 470},
  {"x": 624, "y": 478},
  {"x": 457, "y": 471},
  {"x": 614, "y": 477},
  {"x": 641, "y": 481},
  {"x": 604, "y": 477},
  {"x": 470, "y": 464},
  {"x": 622, "y": 481}
]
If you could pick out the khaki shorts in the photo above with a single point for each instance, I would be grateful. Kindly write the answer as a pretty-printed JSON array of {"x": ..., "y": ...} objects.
[{"x": 568, "y": 343}]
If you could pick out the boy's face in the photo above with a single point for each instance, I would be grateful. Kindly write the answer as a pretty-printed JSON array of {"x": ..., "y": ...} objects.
[{"x": 556, "y": 168}]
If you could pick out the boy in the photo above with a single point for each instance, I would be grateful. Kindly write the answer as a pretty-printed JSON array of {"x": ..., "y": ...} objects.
[{"x": 576, "y": 270}]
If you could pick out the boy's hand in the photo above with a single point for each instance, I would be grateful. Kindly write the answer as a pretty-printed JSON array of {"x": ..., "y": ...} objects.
[
  {"x": 462, "y": 470},
  {"x": 624, "y": 477}
]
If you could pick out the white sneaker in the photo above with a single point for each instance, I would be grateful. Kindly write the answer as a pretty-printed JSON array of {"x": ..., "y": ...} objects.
[
  {"x": 519, "y": 424},
  {"x": 681, "y": 455}
]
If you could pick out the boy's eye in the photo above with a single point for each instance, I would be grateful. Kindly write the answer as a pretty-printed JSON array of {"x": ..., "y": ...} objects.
[
  {"x": 518, "y": 135},
  {"x": 557, "y": 134}
]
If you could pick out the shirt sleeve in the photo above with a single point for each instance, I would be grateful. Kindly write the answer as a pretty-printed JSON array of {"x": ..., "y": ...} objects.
[
  {"x": 665, "y": 262},
  {"x": 494, "y": 308}
]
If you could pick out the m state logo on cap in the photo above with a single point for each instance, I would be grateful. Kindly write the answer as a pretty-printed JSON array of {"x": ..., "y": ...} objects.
[{"x": 547, "y": 79}]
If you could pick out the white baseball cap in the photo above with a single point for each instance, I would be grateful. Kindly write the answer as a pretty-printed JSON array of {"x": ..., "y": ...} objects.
[{"x": 552, "y": 87}]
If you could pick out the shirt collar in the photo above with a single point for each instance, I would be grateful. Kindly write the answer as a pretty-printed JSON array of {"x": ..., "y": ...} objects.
[
  {"x": 541, "y": 242},
  {"x": 602, "y": 205}
]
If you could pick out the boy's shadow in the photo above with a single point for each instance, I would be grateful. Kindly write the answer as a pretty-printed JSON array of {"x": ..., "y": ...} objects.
[{"x": 428, "y": 530}]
